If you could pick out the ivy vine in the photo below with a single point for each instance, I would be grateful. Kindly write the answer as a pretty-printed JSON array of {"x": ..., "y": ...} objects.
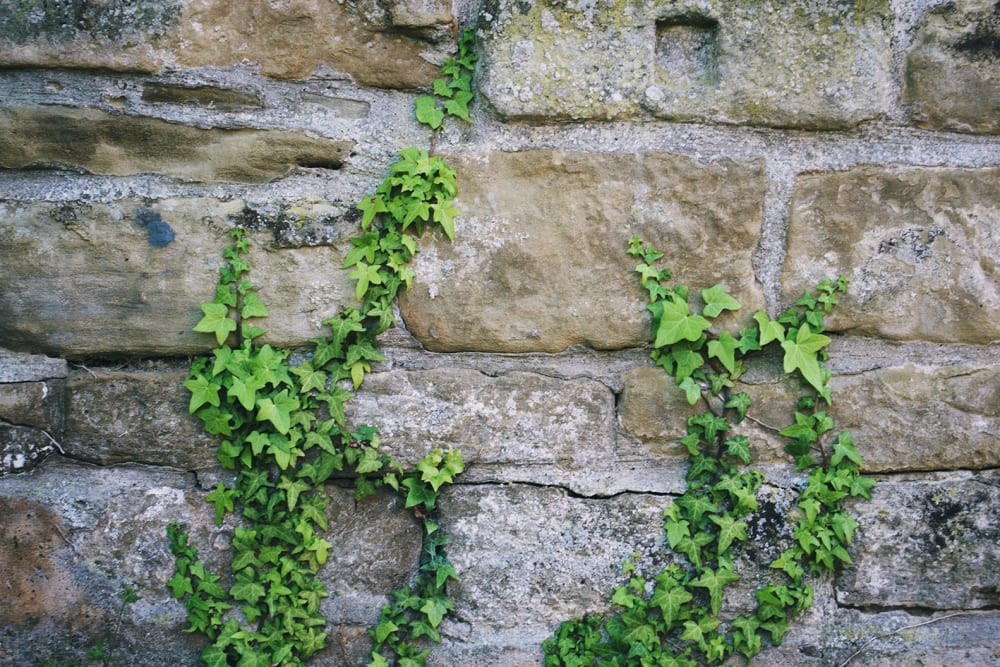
[
  {"x": 675, "y": 620},
  {"x": 283, "y": 431}
]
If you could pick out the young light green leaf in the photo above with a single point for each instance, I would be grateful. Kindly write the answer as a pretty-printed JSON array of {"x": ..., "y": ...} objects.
[
  {"x": 677, "y": 324},
  {"x": 716, "y": 300},
  {"x": 217, "y": 321},
  {"x": 769, "y": 329},
  {"x": 801, "y": 354},
  {"x": 427, "y": 111},
  {"x": 724, "y": 349}
]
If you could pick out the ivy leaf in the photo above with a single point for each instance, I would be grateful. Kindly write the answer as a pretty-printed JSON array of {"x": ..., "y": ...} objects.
[
  {"x": 714, "y": 581},
  {"x": 687, "y": 360},
  {"x": 309, "y": 378},
  {"x": 444, "y": 215},
  {"x": 844, "y": 448},
  {"x": 214, "y": 656},
  {"x": 180, "y": 585},
  {"x": 739, "y": 446},
  {"x": 252, "y": 306},
  {"x": 428, "y": 112},
  {"x": 202, "y": 392},
  {"x": 458, "y": 105},
  {"x": 250, "y": 591},
  {"x": 740, "y": 402},
  {"x": 724, "y": 349},
  {"x": 677, "y": 324},
  {"x": 217, "y": 321},
  {"x": 769, "y": 329},
  {"x": 370, "y": 207},
  {"x": 730, "y": 530},
  {"x": 691, "y": 390},
  {"x": 717, "y": 300},
  {"x": 801, "y": 354},
  {"x": 278, "y": 410},
  {"x": 671, "y": 602},
  {"x": 245, "y": 390},
  {"x": 365, "y": 275},
  {"x": 223, "y": 500}
]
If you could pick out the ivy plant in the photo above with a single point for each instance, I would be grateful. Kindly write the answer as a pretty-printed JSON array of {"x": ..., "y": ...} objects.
[
  {"x": 281, "y": 423},
  {"x": 675, "y": 620}
]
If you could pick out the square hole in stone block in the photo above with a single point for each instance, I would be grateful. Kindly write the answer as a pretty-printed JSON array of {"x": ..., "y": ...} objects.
[{"x": 687, "y": 50}]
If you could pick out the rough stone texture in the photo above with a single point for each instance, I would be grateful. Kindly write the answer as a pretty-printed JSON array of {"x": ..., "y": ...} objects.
[
  {"x": 918, "y": 245},
  {"x": 102, "y": 143},
  {"x": 953, "y": 68},
  {"x": 532, "y": 557},
  {"x": 542, "y": 251},
  {"x": 827, "y": 67},
  {"x": 288, "y": 40},
  {"x": 90, "y": 279},
  {"x": 927, "y": 544},
  {"x": 32, "y": 403},
  {"x": 135, "y": 416},
  {"x": 517, "y": 427}
]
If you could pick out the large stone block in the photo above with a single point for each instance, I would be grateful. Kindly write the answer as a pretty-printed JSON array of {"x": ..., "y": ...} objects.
[
  {"x": 127, "y": 278},
  {"x": 927, "y": 543},
  {"x": 827, "y": 66},
  {"x": 117, "y": 145},
  {"x": 919, "y": 246},
  {"x": 539, "y": 262},
  {"x": 32, "y": 399},
  {"x": 137, "y": 417},
  {"x": 952, "y": 74},
  {"x": 393, "y": 44},
  {"x": 516, "y": 427}
]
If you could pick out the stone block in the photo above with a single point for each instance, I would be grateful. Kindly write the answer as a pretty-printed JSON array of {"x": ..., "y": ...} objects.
[
  {"x": 396, "y": 46},
  {"x": 828, "y": 66},
  {"x": 516, "y": 427},
  {"x": 539, "y": 261},
  {"x": 137, "y": 417},
  {"x": 116, "y": 145},
  {"x": 929, "y": 543},
  {"x": 32, "y": 399},
  {"x": 919, "y": 246},
  {"x": 127, "y": 278},
  {"x": 952, "y": 78}
]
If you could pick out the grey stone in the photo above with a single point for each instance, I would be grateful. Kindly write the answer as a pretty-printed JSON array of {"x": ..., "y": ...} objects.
[
  {"x": 952, "y": 80},
  {"x": 84, "y": 279},
  {"x": 927, "y": 543},
  {"x": 540, "y": 262},
  {"x": 827, "y": 67},
  {"x": 918, "y": 245}
]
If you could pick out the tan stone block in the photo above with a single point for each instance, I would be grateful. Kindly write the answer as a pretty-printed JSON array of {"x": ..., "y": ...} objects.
[
  {"x": 539, "y": 261},
  {"x": 919, "y": 246},
  {"x": 103, "y": 143}
]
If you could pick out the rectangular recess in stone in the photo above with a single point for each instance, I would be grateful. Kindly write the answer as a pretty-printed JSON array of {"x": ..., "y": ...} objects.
[
  {"x": 222, "y": 99},
  {"x": 687, "y": 49}
]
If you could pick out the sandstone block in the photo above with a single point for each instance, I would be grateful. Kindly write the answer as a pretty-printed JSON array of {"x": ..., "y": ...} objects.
[
  {"x": 828, "y": 65},
  {"x": 919, "y": 246},
  {"x": 396, "y": 45},
  {"x": 952, "y": 80},
  {"x": 928, "y": 543},
  {"x": 653, "y": 407},
  {"x": 127, "y": 278},
  {"x": 539, "y": 262},
  {"x": 32, "y": 399},
  {"x": 102, "y": 143}
]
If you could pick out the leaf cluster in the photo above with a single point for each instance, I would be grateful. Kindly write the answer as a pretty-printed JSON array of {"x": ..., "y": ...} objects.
[
  {"x": 675, "y": 618},
  {"x": 453, "y": 89}
]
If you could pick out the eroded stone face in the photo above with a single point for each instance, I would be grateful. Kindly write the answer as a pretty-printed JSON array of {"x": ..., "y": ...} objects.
[
  {"x": 540, "y": 261},
  {"x": 826, "y": 67},
  {"x": 116, "y": 145},
  {"x": 919, "y": 246},
  {"x": 953, "y": 68},
  {"x": 395, "y": 46},
  {"x": 127, "y": 278}
]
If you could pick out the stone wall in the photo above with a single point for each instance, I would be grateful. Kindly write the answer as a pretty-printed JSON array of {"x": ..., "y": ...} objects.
[{"x": 763, "y": 144}]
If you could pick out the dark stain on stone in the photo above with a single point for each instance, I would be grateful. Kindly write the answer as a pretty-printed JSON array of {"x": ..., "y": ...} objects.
[
  {"x": 290, "y": 230},
  {"x": 984, "y": 41},
  {"x": 158, "y": 233},
  {"x": 950, "y": 521},
  {"x": 914, "y": 244},
  {"x": 64, "y": 20}
]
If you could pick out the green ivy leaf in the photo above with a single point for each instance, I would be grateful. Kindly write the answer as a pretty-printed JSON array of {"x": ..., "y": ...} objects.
[
  {"x": 202, "y": 392},
  {"x": 714, "y": 581},
  {"x": 677, "y": 324},
  {"x": 278, "y": 410},
  {"x": 730, "y": 530},
  {"x": 222, "y": 498},
  {"x": 801, "y": 354},
  {"x": 252, "y": 306},
  {"x": 428, "y": 112},
  {"x": 769, "y": 329},
  {"x": 724, "y": 349},
  {"x": 217, "y": 321},
  {"x": 716, "y": 300}
]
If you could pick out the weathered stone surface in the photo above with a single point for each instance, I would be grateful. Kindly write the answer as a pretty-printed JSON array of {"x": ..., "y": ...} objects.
[
  {"x": 539, "y": 263},
  {"x": 223, "y": 99},
  {"x": 530, "y": 558},
  {"x": 653, "y": 407},
  {"x": 517, "y": 427},
  {"x": 394, "y": 45},
  {"x": 106, "y": 279},
  {"x": 135, "y": 416},
  {"x": 826, "y": 67},
  {"x": 919, "y": 246},
  {"x": 103, "y": 143},
  {"x": 32, "y": 403},
  {"x": 20, "y": 367},
  {"x": 953, "y": 68},
  {"x": 929, "y": 544}
]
